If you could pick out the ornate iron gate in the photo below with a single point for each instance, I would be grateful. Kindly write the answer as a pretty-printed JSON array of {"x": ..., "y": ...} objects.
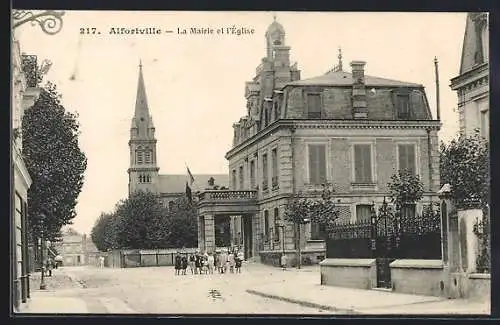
[{"x": 384, "y": 242}]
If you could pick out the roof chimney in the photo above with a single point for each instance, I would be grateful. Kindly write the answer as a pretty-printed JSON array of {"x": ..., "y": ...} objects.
[{"x": 359, "y": 90}]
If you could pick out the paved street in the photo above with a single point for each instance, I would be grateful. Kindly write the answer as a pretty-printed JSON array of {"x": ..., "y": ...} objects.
[
  {"x": 158, "y": 290},
  {"x": 259, "y": 289}
]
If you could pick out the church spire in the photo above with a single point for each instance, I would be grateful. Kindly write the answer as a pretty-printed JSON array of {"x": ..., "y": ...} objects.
[
  {"x": 141, "y": 101},
  {"x": 339, "y": 66}
]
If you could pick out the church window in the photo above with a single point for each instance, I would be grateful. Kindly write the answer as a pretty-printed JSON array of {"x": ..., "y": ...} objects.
[
  {"x": 138, "y": 154},
  {"x": 147, "y": 158}
]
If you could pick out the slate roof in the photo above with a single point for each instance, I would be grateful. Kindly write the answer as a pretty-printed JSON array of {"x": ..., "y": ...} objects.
[
  {"x": 177, "y": 183},
  {"x": 343, "y": 78}
]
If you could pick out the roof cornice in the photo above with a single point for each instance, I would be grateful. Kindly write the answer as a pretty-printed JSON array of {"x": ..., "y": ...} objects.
[{"x": 335, "y": 124}]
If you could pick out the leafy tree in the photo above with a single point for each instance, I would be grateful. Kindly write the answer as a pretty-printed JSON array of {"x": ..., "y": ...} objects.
[
  {"x": 301, "y": 210},
  {"x": 103, "y": 232},
  {"x": 141, "y": 222},
  {"x": 405, "y": 188},
  {"x": 182, "y": 224},
  {"x": 465, "y": 165},
  {"x": 55, "y": 163}
]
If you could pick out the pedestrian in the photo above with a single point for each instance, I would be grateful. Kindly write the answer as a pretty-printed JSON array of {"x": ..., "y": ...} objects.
[
  {"x": 223, "y": 261},
  {"x": 49, "y": 266},
  {"x": 211, "y": 262},
  {"x": 283, "y": 261},
  {"x": 192, "y": 265},
  {"x": 184, "y": 264},
  {"x": 101, "y": 262},
  {"x": 237, "y": 263},
  {"x": 230, "y": 261},
  {"x": 177, "y": 263},
  {"x": 198, "y": 263}
]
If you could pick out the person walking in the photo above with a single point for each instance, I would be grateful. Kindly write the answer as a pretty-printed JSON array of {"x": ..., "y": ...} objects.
[
  {"x": 230, "y": 261},
  {"x": 237, "y": 262},
  {"x": 211, "y": 263},
  {"x": 184, "y": 264},
  {"x": 101, "y": 262},
  {"x": 284, "y": 260},
  {"x": 49, "y": 266},
  {"x": 192, "y": 265},
  {"x": 177, "y": 263},
  {"x": 198, "y": 263},
  {"x": 223, "y": 261}
]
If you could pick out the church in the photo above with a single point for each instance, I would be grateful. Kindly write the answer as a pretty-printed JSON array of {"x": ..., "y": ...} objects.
[{"x": 144, "y": 169}]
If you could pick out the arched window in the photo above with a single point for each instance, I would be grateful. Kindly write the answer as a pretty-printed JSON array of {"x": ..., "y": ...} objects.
[
  {"x": 138, "y": 156},
  {"x": 148, "y": 155},
  {"x": 140, "y": 178}
]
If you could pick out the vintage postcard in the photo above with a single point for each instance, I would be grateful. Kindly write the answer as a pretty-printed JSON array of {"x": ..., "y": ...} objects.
[{"x": 246, "y": 163}]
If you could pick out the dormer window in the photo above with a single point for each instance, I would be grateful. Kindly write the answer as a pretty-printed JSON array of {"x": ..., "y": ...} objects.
[
  {"x": 313, "y": 106},
  {"x": 277, "y": 42},
  {"x": 403, "y": 106}
]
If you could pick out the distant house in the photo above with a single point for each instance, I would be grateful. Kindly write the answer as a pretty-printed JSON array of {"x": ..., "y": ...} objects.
[{"x": 75, "y": 248}]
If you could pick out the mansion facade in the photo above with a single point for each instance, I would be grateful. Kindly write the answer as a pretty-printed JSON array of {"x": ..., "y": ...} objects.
[{"x": 344, "y": 128}]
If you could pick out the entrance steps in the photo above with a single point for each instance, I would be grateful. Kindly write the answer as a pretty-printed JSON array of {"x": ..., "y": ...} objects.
[{"x": 382, "y": 289}]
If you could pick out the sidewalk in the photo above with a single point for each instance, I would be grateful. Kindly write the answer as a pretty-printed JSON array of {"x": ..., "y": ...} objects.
[{"x": 357, "y": 301}]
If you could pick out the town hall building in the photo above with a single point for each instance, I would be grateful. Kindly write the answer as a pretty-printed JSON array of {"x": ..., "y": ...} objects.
[
  {"x": 347, "y": 129},
  {"x": 144, "y": 170}
]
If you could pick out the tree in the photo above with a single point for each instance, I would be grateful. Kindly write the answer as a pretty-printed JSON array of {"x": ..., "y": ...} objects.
[
  {"x": 301, "y": 210},
  {"x": 405, "y": 188},
  {"x": 55, "y": 163},
  {"x": 103, "y": 232},
  {"x": 141, "y": 222},
  {"x": 182, "y": 224},
  {"x": 465, "y": 165}
]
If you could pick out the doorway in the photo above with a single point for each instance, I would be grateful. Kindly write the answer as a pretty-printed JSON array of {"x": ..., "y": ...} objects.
[{"x": 247, "y": 235}]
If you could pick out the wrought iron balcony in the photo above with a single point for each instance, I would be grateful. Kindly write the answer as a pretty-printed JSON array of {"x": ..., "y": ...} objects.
[{"x": 223, "y": 196}]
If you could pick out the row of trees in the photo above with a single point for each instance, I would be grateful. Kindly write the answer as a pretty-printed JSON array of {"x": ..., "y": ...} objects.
[
  {"x": 142, "y": 222},
  {"x": 53, "y": 157}
]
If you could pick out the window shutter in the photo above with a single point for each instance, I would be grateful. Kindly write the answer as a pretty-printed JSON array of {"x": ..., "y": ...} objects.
[
  {"x": 321, "y": 164},
  {"x": 410, "y": 153},
  {"x": 368, "y": 164},
  {"x": 312, "y": 164},
  {"x": 358, "y": 164}
]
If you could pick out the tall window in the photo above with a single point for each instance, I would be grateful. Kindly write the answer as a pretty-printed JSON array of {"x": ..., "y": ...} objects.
[
  {"x": 362, "y": 163},
  {"x": 148, "y": 156},
  {"x": 406, "y": 156},
  {"x": 265, "y": 176},
  {"x": 313, "y": 106},
  {"x": 276, "y": 224},
  {"x": 138, "y": 157},
  {"x": 241, "y": 178},
  {"x": 266, "y": 225},
  {"x": 485, "y": 124},
  {"x": 274, "y": 158},
  {"x": 363, "y": 212},
  {"x": 317, "y": 231},
  {"x": 233, "y": 180},
  {"x": 252, "y": 174},
  {"x": 403, "y": 106},
  {"x": 408, "y": 211},
  {"x": 317, "y": 163}
]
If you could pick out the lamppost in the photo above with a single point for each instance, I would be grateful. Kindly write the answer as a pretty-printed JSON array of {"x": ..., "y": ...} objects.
[
  {"x": 43, "y": 286},
  {"x": 50, "y": 21}
]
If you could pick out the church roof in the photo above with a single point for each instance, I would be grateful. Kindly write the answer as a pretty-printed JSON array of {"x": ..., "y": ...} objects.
[
  {"x": 177, "y": 183},
  {"x": 344, "y": 78}
]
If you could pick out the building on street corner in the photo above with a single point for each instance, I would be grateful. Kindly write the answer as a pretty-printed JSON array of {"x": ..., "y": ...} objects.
[
  {"x": 24, "y": 95},
  {"x": 472, "y": 83},
  {"x": 344, "y": 128}
]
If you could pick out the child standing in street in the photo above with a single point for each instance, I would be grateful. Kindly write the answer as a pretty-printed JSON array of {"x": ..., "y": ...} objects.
[
  {"x": 177, "y": 264},
  {"x": 283, "y": 261},
  {"x": 184, "y": 262}
]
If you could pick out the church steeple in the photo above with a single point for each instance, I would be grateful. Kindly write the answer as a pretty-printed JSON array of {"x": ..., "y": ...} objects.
[
  {"x": 141, "y": 101},
  {"x": 143, "y": 171}
]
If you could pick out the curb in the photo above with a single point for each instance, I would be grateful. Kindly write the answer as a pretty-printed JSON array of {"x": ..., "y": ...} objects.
[{"x": 305, "y": 303}]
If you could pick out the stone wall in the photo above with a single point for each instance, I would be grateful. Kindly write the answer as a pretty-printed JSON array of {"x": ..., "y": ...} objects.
[
  {"x": 309, "y": 257},
  {"x": 351, "y": 273},
  {"x": 479, "y": 286},
  {"x": 419, "y": 277}
]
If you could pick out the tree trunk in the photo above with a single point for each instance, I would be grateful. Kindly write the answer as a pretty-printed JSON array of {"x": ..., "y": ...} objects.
[{"x": 298, "y": 247}]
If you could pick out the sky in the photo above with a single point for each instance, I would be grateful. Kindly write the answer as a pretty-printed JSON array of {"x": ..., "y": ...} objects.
[{"x": 195, "y": 83}]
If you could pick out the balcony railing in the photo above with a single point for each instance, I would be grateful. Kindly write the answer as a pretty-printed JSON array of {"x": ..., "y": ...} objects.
[{"x": 226, "y": 195}]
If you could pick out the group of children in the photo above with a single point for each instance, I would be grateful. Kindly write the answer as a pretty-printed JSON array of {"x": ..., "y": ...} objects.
[{"x": 223, "y": 261}]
